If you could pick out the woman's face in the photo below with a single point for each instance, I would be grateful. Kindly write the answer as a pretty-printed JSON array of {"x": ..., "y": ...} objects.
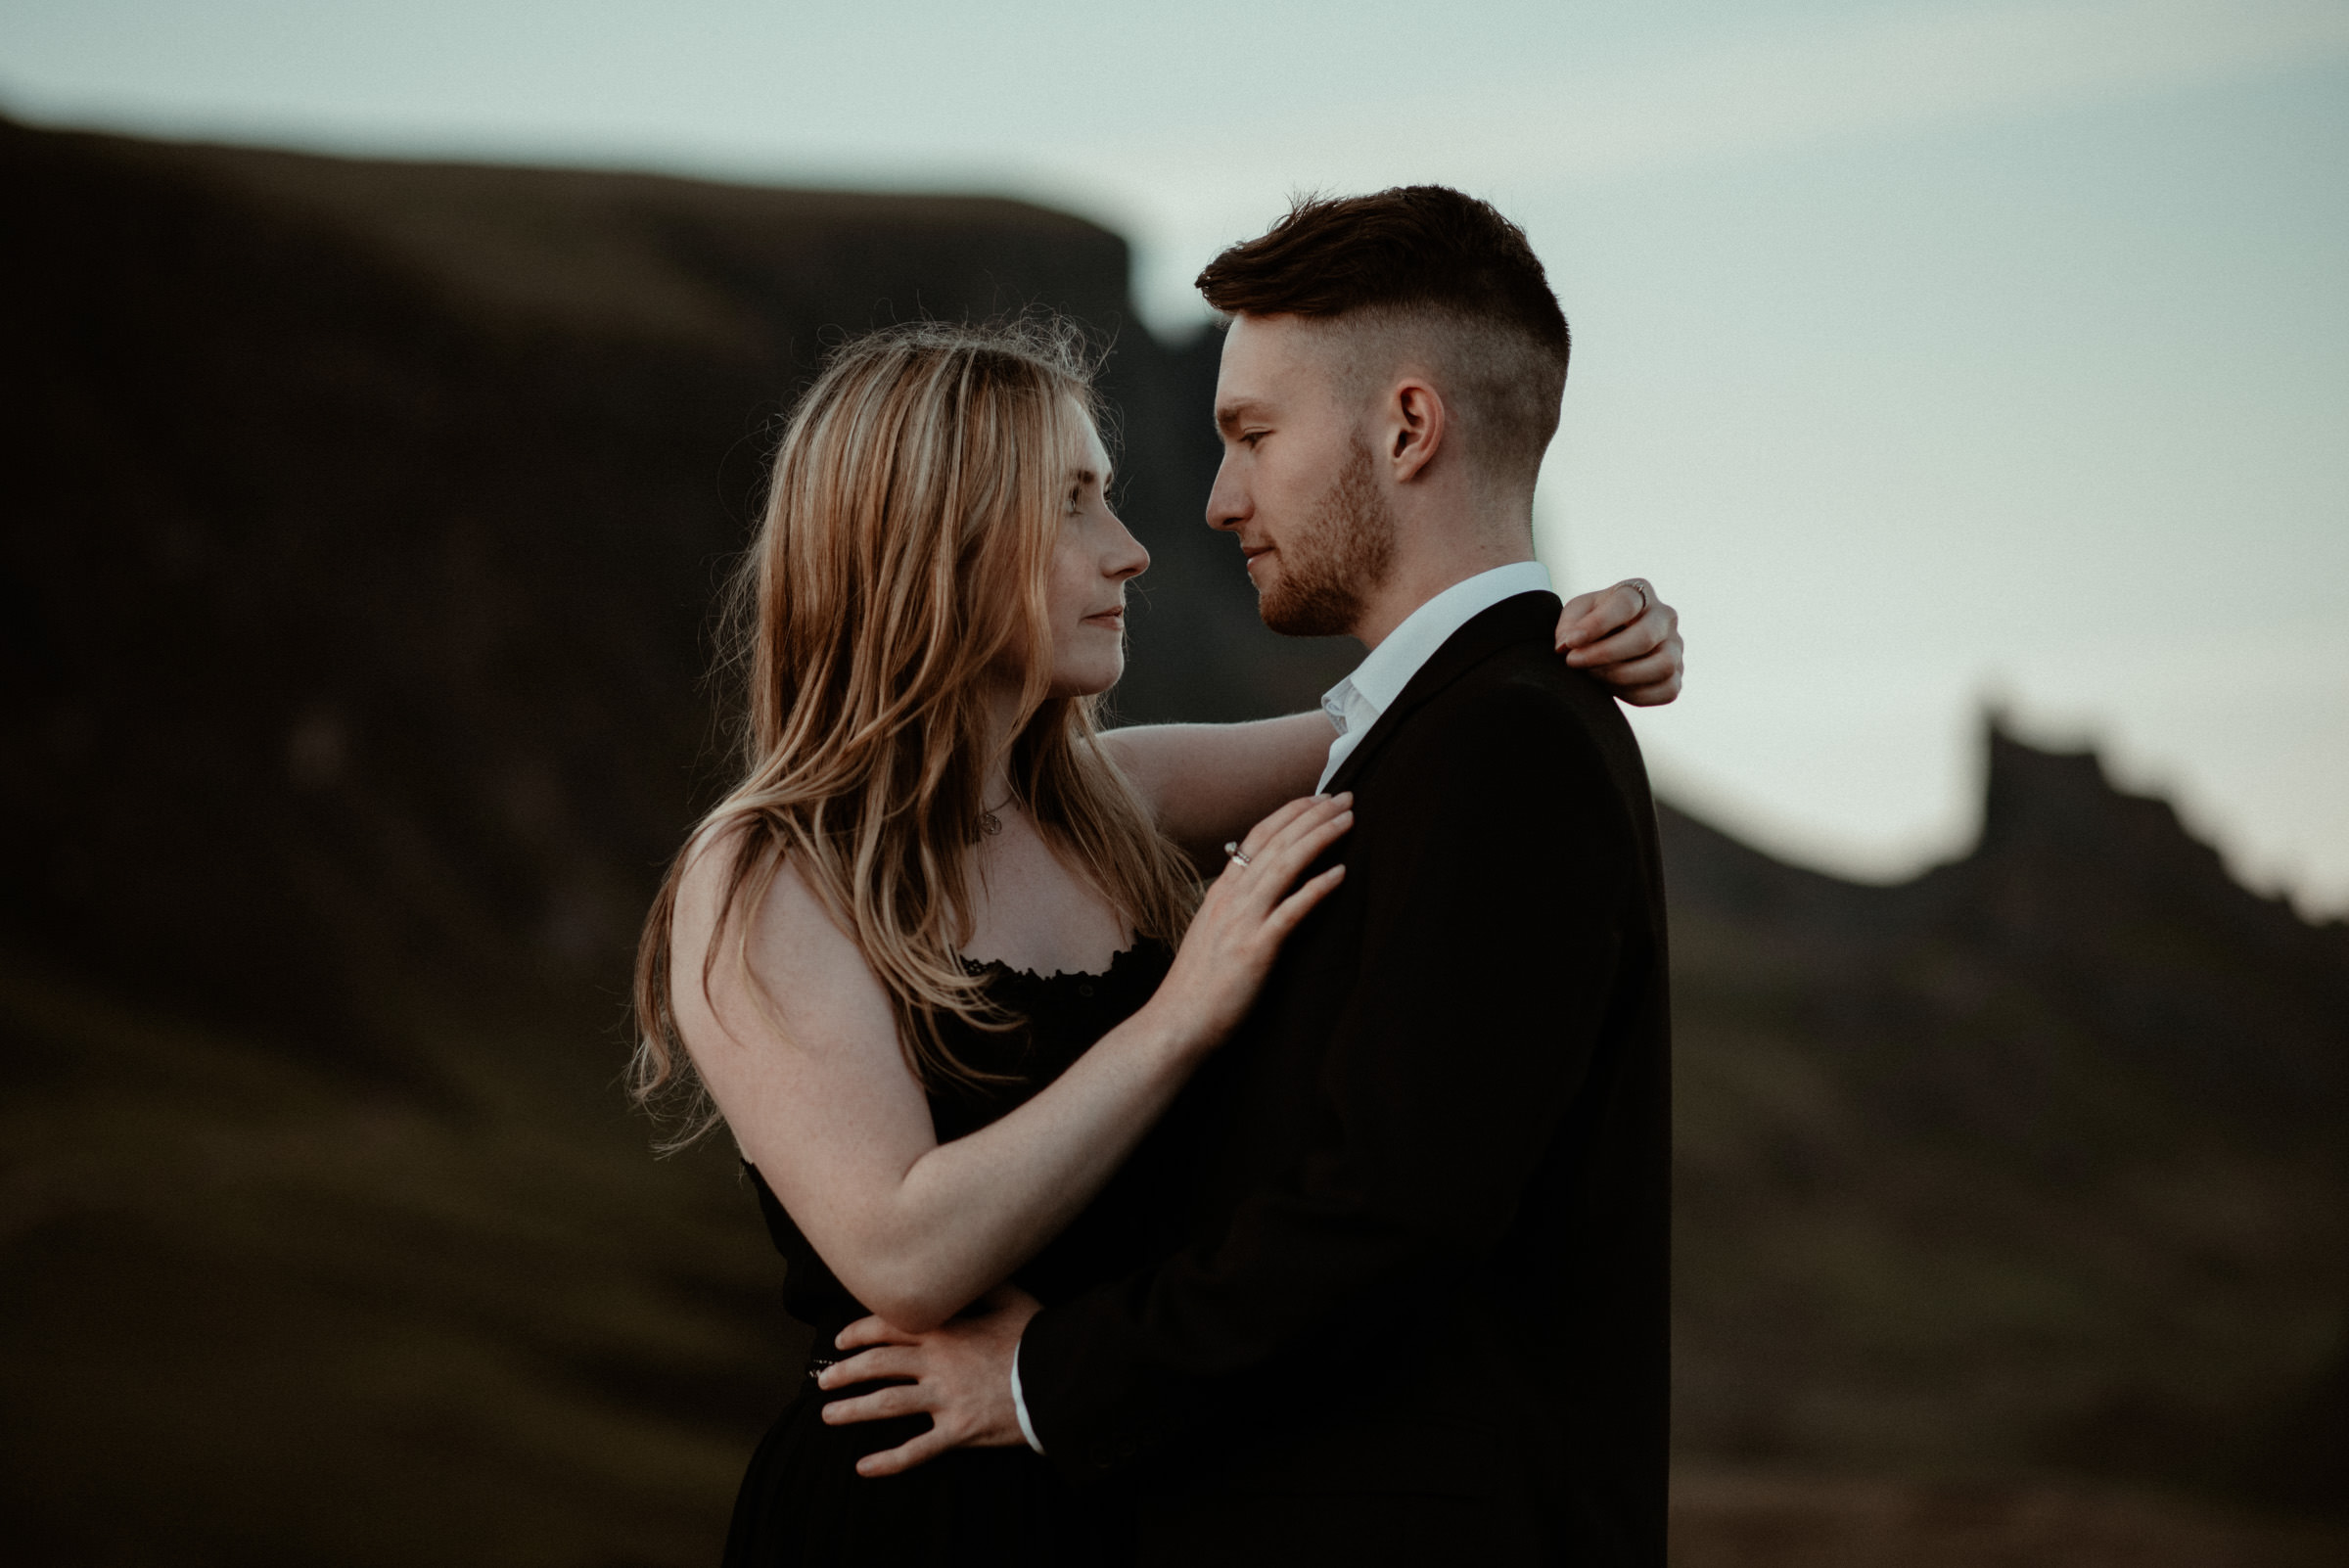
[{"x": 1084, "y": 595}]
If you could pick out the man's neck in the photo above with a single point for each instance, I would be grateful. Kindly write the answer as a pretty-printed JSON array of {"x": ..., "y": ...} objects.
[{"x": 1413, "y": 582}]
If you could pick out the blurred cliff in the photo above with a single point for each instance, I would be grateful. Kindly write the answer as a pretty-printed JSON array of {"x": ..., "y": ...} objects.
[{"x": 362, "y": 522}]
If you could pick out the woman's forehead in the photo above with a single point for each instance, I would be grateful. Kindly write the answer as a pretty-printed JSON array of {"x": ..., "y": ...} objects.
[{"x": 1086, "y": 452}]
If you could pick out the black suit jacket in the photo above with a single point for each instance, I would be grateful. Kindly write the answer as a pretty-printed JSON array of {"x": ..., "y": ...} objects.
[{"x": 1414, "y": 1295}]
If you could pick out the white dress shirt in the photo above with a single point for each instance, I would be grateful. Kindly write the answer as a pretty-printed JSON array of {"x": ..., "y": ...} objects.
[{"x": 1354, "y": 704}]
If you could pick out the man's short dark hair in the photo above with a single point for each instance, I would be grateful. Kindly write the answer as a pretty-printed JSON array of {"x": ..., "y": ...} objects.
[{"x": 1421, "y": 255}]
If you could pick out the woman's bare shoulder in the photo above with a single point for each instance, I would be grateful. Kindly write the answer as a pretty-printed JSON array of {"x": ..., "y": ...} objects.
[
  {"x": 778, "y": 927},
  {"x": 712, "y": 865},
  {"x": 761, "y": 910}
]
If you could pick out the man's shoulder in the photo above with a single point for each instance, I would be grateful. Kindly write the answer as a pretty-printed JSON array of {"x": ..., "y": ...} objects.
[
  {"x": 1523, "y": 688},
  {"x": 1495, "y": 700},
  {"x": 1517, "y": 736}
]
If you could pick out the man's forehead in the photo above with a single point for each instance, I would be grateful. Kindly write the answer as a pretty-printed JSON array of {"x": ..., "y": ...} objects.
[
  {"x": 1260, "y": 355},
  {"x": 1276, "y": 363}
]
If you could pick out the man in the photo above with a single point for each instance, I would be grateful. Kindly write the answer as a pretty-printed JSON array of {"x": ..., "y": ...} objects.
[{"x": 1413, "y": 1306}]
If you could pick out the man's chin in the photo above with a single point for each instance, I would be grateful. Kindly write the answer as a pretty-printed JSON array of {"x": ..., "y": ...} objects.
[{"x": 1305, "y": 615}]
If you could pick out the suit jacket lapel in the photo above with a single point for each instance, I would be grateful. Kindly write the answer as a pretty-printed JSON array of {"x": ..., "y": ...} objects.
[{"x": 1513, "y": 620}]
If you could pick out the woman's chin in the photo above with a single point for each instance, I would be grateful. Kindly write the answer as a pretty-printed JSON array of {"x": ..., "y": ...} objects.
[{"x": 1091, "y": 682}]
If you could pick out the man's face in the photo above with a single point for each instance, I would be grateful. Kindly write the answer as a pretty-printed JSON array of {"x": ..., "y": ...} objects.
[{"x": 1298, "y": 483}]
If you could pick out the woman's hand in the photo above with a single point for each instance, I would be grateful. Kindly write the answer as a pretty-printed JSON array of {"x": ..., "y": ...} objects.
[
  {"x": 1626, "y": 637},
  {"x": 1248, "y": 912}
]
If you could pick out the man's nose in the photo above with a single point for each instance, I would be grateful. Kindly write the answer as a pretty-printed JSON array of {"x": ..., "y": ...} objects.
[{"x": 1227, "y": 502}]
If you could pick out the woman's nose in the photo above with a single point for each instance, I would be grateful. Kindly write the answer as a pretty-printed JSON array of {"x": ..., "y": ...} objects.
[{"x": 1129, "y": 560}]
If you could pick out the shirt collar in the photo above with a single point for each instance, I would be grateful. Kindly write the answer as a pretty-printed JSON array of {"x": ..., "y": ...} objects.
[{"x": 1389, "y": 668}]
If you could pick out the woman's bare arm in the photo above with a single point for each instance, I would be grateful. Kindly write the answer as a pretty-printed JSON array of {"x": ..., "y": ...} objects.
[
  {"x": 1206, "y": 783},
  {"x": 1200, "y": 780},
  {"x": 819, "y": 1094}
]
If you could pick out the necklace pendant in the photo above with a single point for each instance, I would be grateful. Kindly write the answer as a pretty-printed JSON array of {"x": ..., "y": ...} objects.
[{"x": 990, "y": 823}]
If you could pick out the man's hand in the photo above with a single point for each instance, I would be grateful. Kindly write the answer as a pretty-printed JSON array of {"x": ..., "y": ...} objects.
[
  {"x": 1626, "y": 637},
  {"x": 961, "y": 1379}
]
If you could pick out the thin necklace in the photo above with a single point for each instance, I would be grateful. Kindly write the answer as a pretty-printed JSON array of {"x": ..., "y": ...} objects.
[{"x": 990, "y": 823}]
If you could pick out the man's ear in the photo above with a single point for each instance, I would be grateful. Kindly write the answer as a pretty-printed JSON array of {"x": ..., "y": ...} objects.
[{"x": 1416, "y": 421}]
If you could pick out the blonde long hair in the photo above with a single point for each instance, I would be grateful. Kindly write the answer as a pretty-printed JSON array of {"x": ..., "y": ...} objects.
[{"x": 908, "y": 532}]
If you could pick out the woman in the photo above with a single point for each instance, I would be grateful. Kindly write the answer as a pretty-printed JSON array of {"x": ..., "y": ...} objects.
[{"x": 936, "y": 959}]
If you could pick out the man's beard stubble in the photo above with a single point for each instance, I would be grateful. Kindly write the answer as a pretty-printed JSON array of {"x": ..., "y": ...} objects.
[{"x": 1337, "y": 559}]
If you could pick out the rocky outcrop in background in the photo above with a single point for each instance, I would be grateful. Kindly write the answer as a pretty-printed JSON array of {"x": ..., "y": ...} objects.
[{"x": 362, "y": 522}]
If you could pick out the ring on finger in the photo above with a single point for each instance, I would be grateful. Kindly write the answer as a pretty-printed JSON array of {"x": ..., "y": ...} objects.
[
  {"x": 1641, "y": 587},
  {"x": 1235, "y": 854}
]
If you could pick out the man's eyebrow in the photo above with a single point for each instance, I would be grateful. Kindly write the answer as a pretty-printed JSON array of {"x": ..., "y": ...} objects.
[{"x": 1228, "y": 415}]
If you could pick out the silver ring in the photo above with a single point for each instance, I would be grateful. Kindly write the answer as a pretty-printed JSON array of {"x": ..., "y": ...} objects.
[
  {"x": 1235, "y": 853},
  {"x": 1644, "y": 599}
]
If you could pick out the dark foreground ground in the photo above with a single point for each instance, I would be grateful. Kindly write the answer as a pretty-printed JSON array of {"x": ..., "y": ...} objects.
[{"x": 1733, "y": 1518}]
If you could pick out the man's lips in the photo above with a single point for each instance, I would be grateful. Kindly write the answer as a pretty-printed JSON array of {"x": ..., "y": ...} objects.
[{"x": 1251, "y": 551}]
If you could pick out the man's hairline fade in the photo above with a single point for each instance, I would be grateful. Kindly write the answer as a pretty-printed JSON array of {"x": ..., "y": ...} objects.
[
  {"x": 1375, "y": 347},
  {"x": 1506, "y": 323}
]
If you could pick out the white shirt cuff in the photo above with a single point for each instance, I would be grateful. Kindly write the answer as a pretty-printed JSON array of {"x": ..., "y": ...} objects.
[{"x": 1018, "y": 1401}]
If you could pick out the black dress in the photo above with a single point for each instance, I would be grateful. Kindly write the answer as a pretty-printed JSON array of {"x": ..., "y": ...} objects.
[{"x": 803, "y": 1501}]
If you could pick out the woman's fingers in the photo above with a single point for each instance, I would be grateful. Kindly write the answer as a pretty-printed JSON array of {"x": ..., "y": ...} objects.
[
  {"x": 1265, "y": 840},
  {"x": 1290, "y": 862},
  {"x": 896, "y": 1462},
  {"x": 1273, "y": 868},
  {"x": 1295, "y": 849},
  {"x": 1297, "y": 906},
  {"x": 899, "y": 1398},
  {"x": 1572, "y": 617},
  {"x": 1232, "y": 919},
  {"x": 1654, "y": 670},
  {"x": 1318, "y": 810},
  {"x": 1259, "y": 836},
  {"x": 1266, "y": 830},
  {"x": 1586, "y": 618},
  {"x": 1638, "y": 640},
  {"x": 1656, "y": 696}
]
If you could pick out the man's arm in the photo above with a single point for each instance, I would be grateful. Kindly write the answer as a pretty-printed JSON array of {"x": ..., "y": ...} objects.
[{"x": 1489, "y": 954}]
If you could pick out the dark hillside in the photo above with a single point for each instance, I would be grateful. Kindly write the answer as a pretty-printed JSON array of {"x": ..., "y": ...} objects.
[
  {"x": 2038, "y": 1156},
  {"x": 360, "y": 532},
  {"x": 363, "y": 523}
]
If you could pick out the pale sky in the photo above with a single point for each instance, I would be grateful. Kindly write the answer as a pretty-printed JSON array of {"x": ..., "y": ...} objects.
[{"x": 1926, "y": 350}]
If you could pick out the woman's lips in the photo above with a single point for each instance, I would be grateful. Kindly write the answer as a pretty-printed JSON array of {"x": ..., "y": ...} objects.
[{"x": 1114, "y": 619}]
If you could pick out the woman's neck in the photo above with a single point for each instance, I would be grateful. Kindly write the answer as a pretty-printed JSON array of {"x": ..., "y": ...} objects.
[
  {"x": 1030, "y": 907},
  {"x": 1004, "y": 718}
]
